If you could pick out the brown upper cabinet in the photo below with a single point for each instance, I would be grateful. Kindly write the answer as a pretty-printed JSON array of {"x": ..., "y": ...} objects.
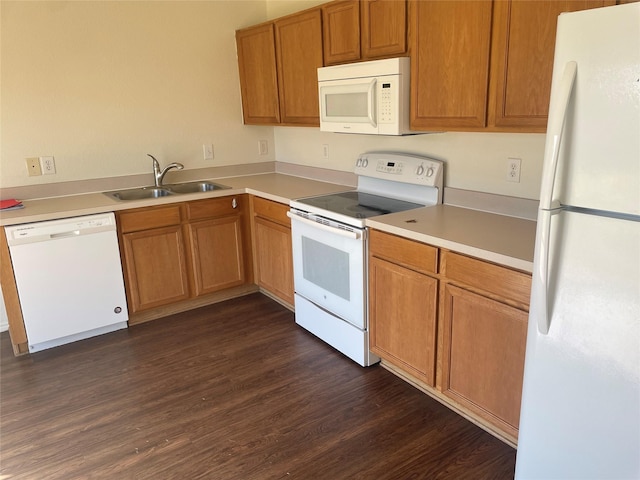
[
  {"x": 299, "y": 54},
  {"x": 277, "y": 62},
  {"x": 524, "y": 35},
  {"x": 258, "y": 75},
  {"x": 484, "y": 65},
  {"x": 450, "y": 54},
  {"x": 361, "y": 30}
]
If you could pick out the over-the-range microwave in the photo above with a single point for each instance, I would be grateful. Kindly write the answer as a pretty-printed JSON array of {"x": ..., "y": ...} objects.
[{"x": 366, "y": 97}]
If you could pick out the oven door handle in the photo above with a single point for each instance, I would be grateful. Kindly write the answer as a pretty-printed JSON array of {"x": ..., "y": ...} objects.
[{"x": 336, "y": 231}]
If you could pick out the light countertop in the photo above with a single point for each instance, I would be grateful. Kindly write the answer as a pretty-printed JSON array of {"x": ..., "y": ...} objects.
[{"x": 496, "y": 238}]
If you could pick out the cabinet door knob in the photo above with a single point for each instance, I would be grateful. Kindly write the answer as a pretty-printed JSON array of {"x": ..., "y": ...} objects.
[{"x": 234, "y": 203}]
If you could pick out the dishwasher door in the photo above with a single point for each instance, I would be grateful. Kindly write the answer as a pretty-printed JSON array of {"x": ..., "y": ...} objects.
[{"x": 69, "y": 279}]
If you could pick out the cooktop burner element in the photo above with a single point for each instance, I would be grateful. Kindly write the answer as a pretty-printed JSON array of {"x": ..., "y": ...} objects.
[
  {"x": 388, "y": 182},
  {"x": 359, "y": 204}
]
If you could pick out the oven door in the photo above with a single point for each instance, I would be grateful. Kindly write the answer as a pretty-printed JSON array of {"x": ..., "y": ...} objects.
[{"x": 329, "y": 266}]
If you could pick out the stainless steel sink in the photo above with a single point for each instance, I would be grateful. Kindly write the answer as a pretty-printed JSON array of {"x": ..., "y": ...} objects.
[
  {"x": 193, "y": 187},
  {"x": 140, "y": 193},
  {"x": 164, "y": 191}
]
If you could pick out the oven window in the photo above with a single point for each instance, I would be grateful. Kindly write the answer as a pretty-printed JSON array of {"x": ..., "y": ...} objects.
[{"x": 325, "y": 266}]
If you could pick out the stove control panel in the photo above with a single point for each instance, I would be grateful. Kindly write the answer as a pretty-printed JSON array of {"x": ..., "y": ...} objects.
[{"x": 400, "y": 167}]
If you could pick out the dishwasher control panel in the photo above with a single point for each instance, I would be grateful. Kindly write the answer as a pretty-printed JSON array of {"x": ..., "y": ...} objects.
[{"x": 51, "y": 229}]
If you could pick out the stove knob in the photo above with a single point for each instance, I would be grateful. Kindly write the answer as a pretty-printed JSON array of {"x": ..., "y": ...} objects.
[
  {"x": 359, "y": 162},
  {"x": 430, "y": 171},
  {"x": 420, "y": 170},
  {"x": 365, "y": 162}
]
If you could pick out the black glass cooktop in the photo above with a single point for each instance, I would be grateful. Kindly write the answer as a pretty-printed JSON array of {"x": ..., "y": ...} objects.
[{"x": 358, "y": 204}]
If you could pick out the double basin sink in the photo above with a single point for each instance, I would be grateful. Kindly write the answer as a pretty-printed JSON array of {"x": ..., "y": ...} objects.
[{"x": 142, "y": 193}]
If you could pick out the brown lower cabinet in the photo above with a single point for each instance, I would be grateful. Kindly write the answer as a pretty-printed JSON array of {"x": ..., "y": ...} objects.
[
  {"x": 184, "y": 250},
  {"x": 272, "y": 248},
  {"x": 453, "y": 325},
  {"x": 403, "y": 304}
]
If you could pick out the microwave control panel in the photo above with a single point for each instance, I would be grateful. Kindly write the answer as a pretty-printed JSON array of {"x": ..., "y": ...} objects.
[{"x": 387, "y": 99}]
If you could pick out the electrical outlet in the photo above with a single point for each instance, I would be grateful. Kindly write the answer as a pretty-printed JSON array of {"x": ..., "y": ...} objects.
[
  {"x": 263, "y": 147},
  {"x": 207, "y": 151},
  {"x": 33, "y": 166},
  {"x": 325, "y": 151},
  {"x": 513, "y": 170},
  {"x": 48, "y": 165}
]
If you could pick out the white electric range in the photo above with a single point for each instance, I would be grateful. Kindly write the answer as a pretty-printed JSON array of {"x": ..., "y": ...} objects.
[{"x": 330, "y": 244}]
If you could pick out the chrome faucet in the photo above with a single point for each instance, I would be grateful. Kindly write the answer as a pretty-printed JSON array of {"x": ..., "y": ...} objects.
[{"x": 158, "y": 174}]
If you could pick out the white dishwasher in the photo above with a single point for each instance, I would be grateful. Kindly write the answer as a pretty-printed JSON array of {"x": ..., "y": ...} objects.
[{"x": 69, "y": 279}]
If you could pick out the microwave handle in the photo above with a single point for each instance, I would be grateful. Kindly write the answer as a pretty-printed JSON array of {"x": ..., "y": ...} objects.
[{"x": 372, "y": 102}]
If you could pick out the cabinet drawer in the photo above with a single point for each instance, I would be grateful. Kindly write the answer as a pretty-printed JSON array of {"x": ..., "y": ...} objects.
[
  {"x": 401, "y": 251},
  {"x": 274, "y": 211},
  {"x": 146, "y": 218},
  {"x": 215, "y": 207},
  {"x": 494, "y": 279}
]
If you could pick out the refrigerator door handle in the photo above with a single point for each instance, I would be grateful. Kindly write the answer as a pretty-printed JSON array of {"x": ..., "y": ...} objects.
[
  {"x": 542, "y": 297},
  {"x": 555, "y": 128}
]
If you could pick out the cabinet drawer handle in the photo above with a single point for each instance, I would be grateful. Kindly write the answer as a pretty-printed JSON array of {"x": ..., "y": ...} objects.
[{"x": 234, "y": 203}]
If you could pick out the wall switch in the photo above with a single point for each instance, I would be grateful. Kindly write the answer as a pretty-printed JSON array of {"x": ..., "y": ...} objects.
[
  {"x": 33, "y": 166},
  {"x": 48, "y": 165},
  {"x": 263, "y": 147},
  {"x": 325, "y": 151},
  {"x": 207, "y": 151},
  {"x": 513, "y": 170}
]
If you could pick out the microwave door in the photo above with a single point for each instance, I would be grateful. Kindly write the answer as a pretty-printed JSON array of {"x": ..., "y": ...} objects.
[{"x": 348, "y": 105}]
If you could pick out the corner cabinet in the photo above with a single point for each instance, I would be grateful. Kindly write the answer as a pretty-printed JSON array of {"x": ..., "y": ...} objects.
[
  {"x": 277, "y": 63},
  {"x": 177, "y": 252},
  {"x": 273, "y": 254}
]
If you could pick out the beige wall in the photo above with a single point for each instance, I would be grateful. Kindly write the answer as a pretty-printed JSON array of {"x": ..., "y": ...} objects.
[
  {"x": 101, "y": 84},
  {"x": 474, "y": 161}
]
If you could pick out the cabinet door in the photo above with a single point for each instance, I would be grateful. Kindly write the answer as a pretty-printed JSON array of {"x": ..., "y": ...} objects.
[
  {"x": 216, "y": 254},
  {"x": 155, "y": 266},
  {"x": 523, "y": 45},
  {"x": 450, "y": 63},
  {"x": 299, "y": 54},
  {"x": 258, "y": 78},
  {"x": 483, "y": 356},
  {"x": 402, "y": 315},
  {"x": 274, "y": 258},
  {"x": 341, "y": 29},
  {"x": 384, "y": 28}
]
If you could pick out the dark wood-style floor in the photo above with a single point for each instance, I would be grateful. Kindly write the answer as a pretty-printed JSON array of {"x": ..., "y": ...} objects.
[{"x": 231, "y": 391}]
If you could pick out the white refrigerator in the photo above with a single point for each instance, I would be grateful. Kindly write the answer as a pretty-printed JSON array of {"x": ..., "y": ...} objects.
[{"x": 580, "y": 416}]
